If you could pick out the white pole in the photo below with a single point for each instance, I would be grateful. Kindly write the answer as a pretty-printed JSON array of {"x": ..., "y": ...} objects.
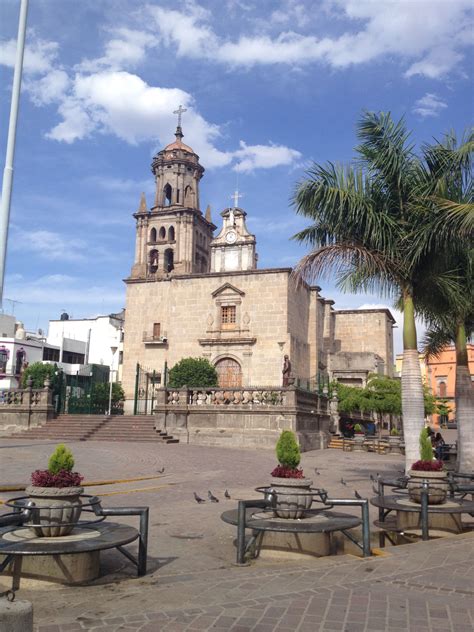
[
  {"x": 113, "y": 349},
  {"x": 8, "y": 171}
]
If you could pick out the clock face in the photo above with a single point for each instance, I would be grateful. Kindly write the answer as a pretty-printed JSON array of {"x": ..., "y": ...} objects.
[{"x": 231, "y": 236}]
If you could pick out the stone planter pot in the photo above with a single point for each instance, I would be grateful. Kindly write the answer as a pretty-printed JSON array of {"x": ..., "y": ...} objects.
[
  {"x": 54, "y": 505},
  {"x": 394, "y": 444},
  {"x": 291, "y": 497},
  {"x": 438, "y": 486},
  {"x": 359, "y": 439}
]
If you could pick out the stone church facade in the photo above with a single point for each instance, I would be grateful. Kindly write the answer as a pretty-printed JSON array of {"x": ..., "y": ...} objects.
[{"x": 191, "y": 293}]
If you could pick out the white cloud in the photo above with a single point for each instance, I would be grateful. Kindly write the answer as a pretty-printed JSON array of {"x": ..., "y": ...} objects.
[
  {"x": 429, "y": 105},
  {"x": 126, "y": 48},
  {"x": 252, "y": 157},
  {"x": 63, "y": 290},
  {"x": 429, "y": 34},
  {"x": 50, "y": 88},
  {"x": 55, "y": 247},
  {"x": 39, "y": 54}
]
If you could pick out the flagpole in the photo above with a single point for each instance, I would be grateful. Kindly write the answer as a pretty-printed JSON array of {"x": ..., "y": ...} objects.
[{"x": 10, "y": 154}]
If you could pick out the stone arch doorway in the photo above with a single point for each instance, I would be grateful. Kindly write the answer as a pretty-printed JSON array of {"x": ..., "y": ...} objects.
[{"x": 229, "y": 373}]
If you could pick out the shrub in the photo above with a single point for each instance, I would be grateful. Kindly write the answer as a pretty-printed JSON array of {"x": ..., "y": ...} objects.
[
  {"x": 61, "y": 459},
  {"x": 194, "y": 372},
  {"x": 394, "y": 432},
  {"x": 289, "y": 456},
  {"x": 426, "y": 447},
  {"x": 59, "y": 472},
  {"x": 358, "y": 429}
]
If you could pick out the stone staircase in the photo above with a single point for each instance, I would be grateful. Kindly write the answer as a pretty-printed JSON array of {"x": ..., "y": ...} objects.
[{"x": 99, "y": 428}]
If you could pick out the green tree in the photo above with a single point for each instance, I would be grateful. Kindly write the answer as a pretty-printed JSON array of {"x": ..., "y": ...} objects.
[
  {"x": 193, "y": 372},
  {"x": 39, "y": 372},
  {"x": 100, "y": 393},
  {"x": 363, "y": 225},
  {"x": 450, "y": 316}
]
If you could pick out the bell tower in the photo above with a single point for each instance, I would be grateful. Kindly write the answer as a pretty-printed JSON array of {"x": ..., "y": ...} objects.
[{"x": 173, "y": 236}]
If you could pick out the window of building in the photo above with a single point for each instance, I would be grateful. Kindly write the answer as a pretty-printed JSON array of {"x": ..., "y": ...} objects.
[
  {"x": 4, "y": 355},
  {"x": 162, "y": 232},
  {"x": 167, "y": 193},
  {"x": 442, "y": 389},
  {"x": 120, "y": 357},
  {"x": 169, "y": 260},
  {"x": 228, "y": 316},
  {"x": 51, "y": 354},
  {"x": 153, "y": 235},
  {"x": 171, "y": 235},
  {"x": 156, "y": 330},
  {"x": 69, "y": 357}
]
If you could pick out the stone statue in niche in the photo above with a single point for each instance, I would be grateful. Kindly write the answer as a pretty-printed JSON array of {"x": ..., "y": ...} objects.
[{"x": 286, "y": 372}]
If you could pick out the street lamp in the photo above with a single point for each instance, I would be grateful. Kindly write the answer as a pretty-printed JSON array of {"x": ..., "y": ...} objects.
[{"x": 113, "y": 349}]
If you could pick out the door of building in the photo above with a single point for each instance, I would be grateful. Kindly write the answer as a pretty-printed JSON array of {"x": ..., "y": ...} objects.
[{"x": 229, "y": 373}]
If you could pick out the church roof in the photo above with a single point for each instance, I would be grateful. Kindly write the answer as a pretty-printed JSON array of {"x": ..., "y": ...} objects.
[{"x": 178, "y": 143}]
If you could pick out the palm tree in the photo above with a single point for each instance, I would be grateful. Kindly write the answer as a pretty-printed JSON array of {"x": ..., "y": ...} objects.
[
  {"x": 449, "y": 190},
  {"x": 364, "y": 220}
]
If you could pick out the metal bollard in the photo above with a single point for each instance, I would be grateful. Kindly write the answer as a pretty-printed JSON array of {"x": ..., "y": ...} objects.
[{"x": 424, "y": 510}]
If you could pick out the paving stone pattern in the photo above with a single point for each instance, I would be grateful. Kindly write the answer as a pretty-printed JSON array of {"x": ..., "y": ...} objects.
[{"x": 192, "y": 584}]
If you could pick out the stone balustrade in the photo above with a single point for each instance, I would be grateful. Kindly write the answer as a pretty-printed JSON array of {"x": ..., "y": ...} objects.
[
  {"x": 23, "y": 408},
  {"x": 227, "y": 397}
]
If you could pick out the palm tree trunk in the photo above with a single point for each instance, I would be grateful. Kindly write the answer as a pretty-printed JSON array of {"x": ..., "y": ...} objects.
[
  {"x": 413, "y": 409},
  {"x": 464, "y": 397}
]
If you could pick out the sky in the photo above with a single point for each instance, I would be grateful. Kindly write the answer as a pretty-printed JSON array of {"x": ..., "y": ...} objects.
[{"x": 270, "y": 86}]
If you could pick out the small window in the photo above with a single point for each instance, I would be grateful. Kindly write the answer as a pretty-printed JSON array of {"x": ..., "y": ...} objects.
[
  {"x": 228, "y": 316},
  {"x": 153, "y": 235},
  {"x": 167, "y": 195},
  {"x": 162, "y": 232},
  {"x": 171, "y": 235}
]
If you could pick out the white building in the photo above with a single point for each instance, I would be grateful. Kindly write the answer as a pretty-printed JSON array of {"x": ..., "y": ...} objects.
[{"x": 89, "y": 340}]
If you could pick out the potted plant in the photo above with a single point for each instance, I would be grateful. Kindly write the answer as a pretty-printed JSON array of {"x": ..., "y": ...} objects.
[
  {"x": 394, "y": 440},
  {"x": 359, "y": 437},
  {"x": 56, "y": 493},
  {"x": 427, "y": 469},
  {"x": 291, "y": 489}
]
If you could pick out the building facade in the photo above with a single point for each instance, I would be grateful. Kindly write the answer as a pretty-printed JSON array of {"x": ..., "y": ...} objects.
[{"x": 190, "y": 294}]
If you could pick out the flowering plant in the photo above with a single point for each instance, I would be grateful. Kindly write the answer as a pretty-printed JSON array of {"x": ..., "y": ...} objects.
[
  {"x": 288, "y": 454},
  {"x": 427, "y": 466},
  {"x": 44, "y": 478},
  {"x": 59, "y": 472}
]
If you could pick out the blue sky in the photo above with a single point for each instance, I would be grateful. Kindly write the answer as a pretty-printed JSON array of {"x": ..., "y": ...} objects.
[{"x": 269, "y": 86}]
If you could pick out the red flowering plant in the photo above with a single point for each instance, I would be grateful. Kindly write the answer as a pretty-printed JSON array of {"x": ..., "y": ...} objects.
[
  {"x": 426, "y": 462},
  {"x": 59, "y": 472},
  {"x": 288, "y": 454}
]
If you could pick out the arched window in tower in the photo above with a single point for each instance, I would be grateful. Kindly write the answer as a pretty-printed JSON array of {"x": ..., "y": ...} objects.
[
  {"x": 153, "y": 235},
  {"x": 153, "y": 259},
  {"x": 171, "y": 234},
  {"x": 169, "y": 260},
  {"x": 162, "y": 232},
  {"x": 167, "y": 193},
  {"x": 188, "y": 196}
]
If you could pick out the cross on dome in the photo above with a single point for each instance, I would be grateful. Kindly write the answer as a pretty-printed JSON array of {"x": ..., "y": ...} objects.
[
  {"x": 180, "y": 111},
  {"x": 235, "y": 196}
]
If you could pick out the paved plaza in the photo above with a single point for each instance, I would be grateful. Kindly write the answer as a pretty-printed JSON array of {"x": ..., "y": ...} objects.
[{"x": 192, "y": 583}]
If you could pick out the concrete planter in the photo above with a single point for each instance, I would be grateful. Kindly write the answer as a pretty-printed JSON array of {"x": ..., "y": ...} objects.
[
  {"x": 292, "y": 497},
  {"x": 55, "y": 505},
  {"x": 438, "y": 486},
  {"x": 394, "y": 442},
  {"x": 359, "y": 439}
]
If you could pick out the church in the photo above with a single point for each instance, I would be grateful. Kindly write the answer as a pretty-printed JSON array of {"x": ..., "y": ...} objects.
[{"x": 195, "y": 290}]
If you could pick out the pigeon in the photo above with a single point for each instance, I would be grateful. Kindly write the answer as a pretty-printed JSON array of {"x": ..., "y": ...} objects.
[
  {"x": 316, "y": 471},
  {"x": 376, "y": 491},
  {"x": 198, "y": 499},
  {"x": 357, "y": 495},
  {"x": 226, "y": 494},
  {"x": 372, "y": 478},
  {"x": 161, "y": 471},
  {"x": 212, "y": 498},
  {"x": 343, "y": 482}
]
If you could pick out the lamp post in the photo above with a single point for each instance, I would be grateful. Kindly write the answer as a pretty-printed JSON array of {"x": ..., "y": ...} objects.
[{"x": 113, "y": 349}]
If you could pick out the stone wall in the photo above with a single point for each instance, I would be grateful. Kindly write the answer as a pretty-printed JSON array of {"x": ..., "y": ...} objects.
[
  {"x": 365, "y": 330},
  {"x": 252, "y": 418},
  {"x": 21, "y": 409}
]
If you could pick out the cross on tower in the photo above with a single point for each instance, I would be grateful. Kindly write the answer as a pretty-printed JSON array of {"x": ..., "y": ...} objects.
[
  {"x": 236, "y": 197},
  {"x": 179, "y": 111}
]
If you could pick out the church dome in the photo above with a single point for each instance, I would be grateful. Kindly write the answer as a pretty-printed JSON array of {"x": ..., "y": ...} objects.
[{"x": 177, "y": 144}]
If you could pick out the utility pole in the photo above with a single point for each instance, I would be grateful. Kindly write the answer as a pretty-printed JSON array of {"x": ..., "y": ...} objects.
[{"x": 8, "y": 171}]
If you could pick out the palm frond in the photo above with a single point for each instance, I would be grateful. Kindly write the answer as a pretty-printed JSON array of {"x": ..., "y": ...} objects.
[{"x": 436, "y": 340}]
